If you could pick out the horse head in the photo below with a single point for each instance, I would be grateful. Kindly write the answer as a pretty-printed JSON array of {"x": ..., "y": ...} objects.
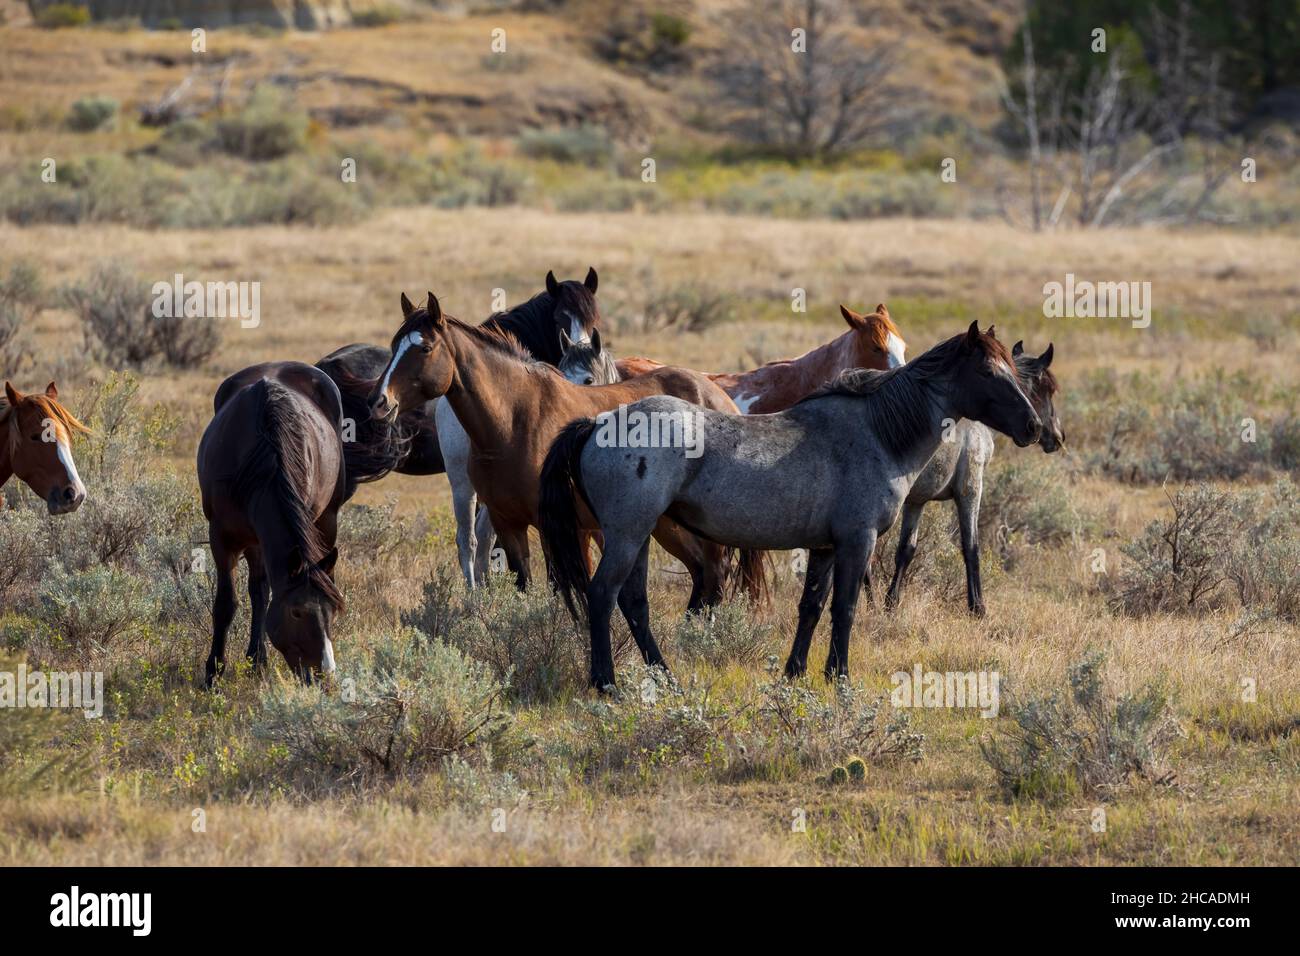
[
  {"x": 574, "y": 309},
  {"x": 38, "y": 447},
  {"x": 587, "y": 363},
  {"x": 421, "y": 367},
  {"x": 987, "y": 388},
  {"x": 876, "y": 341},
  {"x": 1040, "y": 386}
]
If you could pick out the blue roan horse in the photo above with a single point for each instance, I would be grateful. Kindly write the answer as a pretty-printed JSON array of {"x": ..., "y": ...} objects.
[{"x": 829, "y": 474}]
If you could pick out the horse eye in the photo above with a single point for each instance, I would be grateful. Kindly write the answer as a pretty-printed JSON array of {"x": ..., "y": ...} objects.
[{"x": 589, "y": 381}]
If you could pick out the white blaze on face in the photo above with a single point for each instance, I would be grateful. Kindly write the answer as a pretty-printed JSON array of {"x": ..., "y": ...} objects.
[
  {"x": 415, "y": 338},
  {"x": 327, "y": 657},
  {"x": 896, "y": 349},
  {"x": 70, "y": 466},
  {"x": 576, "y": 332}
]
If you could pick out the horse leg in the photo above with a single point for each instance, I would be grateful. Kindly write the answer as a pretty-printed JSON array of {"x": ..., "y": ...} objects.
[
  {"x": 223, "y": 606},
  {"x": 484, "y": 539},
  {"x": 514, "y": 541},
  {"x": 454, "y": 444},
  {"x": 907, "y": 535},
  {"x": 635, "y": 605},
  {"x": 968, "y": 520},
  {"x": 259, "y": 593},
  {"x": 816, "y": 587},
  {"x": 706, "y": 583},
  {"x": 616, "y": 563},
  {"x": 850, "y": 561}
]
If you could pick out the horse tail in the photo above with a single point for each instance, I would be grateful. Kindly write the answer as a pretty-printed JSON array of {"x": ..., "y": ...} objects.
[
  {"x": 749, "y": 573},
  {"x": 561, "y": 480}
]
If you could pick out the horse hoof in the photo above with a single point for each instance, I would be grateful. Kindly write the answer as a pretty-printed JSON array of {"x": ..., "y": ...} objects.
[
  {"x": 977, "y": 610},
  {"x": 793, "y": 670}
]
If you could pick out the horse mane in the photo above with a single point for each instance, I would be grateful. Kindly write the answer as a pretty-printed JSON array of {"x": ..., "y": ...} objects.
[
  {"x": 897, "y": 401},
  {"x": 494, "y": 337},
  {"x": 50, "y": 408},
  {"x": 380, "y": 446},
  {"x": 278, "y": 466},
  {"x": 532, "y": 323},
  {"x": 881, "y": 327}
]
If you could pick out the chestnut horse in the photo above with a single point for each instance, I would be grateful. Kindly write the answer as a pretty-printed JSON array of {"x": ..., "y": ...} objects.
[
  {"x": 873, "y": 341},
  {"x": 272, "y": 476},
  {"x": 513, "y": 407},
  {"x": 36, "y": 445}
]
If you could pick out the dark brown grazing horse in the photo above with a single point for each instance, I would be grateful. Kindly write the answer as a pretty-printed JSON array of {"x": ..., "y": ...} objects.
[
  {"x": 272, "y": 476},
  {"x": 36, "y": 445}
]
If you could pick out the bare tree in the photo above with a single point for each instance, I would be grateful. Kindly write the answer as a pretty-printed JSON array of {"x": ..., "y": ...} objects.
[{"x": 811, "y": 93}]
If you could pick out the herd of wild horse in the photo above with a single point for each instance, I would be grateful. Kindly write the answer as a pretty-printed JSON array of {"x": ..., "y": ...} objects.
[{"x": 822, "y": 452}]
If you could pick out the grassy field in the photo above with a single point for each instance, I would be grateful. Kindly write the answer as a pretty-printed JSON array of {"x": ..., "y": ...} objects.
[{"x": 722, "y": 765}]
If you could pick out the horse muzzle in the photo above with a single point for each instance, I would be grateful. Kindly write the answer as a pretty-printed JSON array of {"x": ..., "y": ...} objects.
[{"x": 65, "y": 500}]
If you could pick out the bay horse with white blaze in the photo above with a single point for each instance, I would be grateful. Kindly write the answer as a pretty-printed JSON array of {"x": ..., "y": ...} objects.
[
  {"x": 513, "y": 407},
  {"x": 272, "y": 476},
  {"x": 36, "y": 445},
  {"x": 427, "y": 439},
  {"x": 829, "y": 474}
]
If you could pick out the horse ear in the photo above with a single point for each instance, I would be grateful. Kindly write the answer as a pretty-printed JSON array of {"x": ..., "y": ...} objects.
[
  {"x": 51, "y": 391},
  {"x": 1018, "y": 348},
  {"x": 552, "y": 286},
  {"x": 566, "y": 343},
  {"x": 434, "y": 310},
  {"x": 327, "y": 563},
  {"x": 590, "y": 281},
  {"x": 851, "y": 317},
  {"x": 1046, "y": 358},
  {"x": 595, "y": 341},
  {"x": 881, "y": 310},
  {"x": 12, "y": 395},
  {"x": 973, "y": 334},
  {"x": 991, "y": 333},
  {"x": 407, "y": 308}
]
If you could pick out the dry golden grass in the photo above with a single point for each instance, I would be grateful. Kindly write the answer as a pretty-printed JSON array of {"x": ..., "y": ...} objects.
[{"x": 1238, "y": 768}]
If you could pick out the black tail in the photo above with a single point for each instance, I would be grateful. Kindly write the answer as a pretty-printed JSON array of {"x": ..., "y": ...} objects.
[{"x": 566, "y": 565}]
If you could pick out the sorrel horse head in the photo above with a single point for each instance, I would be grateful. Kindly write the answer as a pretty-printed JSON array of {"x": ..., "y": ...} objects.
[
  {"x": 829, "y": 475},
  {"x": 873, "y": 341},
  {"x": 512, "y": 407},
  {"x": 36, "y": 445},
  {"x": 956, "y": 472},
  {"x": 272, "y": 476}
]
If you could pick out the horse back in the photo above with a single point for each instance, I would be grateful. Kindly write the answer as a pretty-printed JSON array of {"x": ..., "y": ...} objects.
[
  {"x": 236, "y": 436},
  {"x": 687, "y": 384}
]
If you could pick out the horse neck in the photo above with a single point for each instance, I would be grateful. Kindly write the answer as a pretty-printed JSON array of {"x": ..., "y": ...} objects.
[
  {"x": 487, "y": 387},
  {"x": 939, "y": 416},
  {"x": 817, "y": 365}
]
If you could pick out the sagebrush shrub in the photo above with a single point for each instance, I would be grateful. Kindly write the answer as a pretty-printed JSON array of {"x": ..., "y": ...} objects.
[
  {"x": 724, "y": 634},
  {"x": 1089, "y": 741},
  {"x": 91, "y": 112},
  {"x": 403, "y": 708},
  {"x": 120, "y": 329},
  {"x": 526, "y": 638}
]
